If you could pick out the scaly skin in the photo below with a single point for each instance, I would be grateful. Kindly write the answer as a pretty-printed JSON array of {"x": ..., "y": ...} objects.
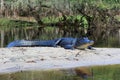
[{"x": 67, "y": 43}]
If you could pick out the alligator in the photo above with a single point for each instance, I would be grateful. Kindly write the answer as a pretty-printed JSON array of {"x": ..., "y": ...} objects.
[{"x": 67, "y": 43}]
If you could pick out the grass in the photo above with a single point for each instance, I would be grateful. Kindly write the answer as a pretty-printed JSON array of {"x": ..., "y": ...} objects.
[{"x": 109, "y": 72}]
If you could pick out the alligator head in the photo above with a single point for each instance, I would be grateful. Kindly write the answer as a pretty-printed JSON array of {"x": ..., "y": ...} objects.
[{"x": 83, "y": 43}]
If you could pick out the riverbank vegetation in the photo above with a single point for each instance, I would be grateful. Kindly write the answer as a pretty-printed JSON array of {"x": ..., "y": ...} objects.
[{"x": 97, "y": 19}]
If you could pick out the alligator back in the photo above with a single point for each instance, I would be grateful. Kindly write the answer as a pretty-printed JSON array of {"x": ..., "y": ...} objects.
[{"x": 67, "y": 43}]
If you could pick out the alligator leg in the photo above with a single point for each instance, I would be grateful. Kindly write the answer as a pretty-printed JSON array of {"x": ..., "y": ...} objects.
[
  {"x": 57, "y": 42},
  {"x": 91, "y": 48},
  {"x": 69, "y": 47}
]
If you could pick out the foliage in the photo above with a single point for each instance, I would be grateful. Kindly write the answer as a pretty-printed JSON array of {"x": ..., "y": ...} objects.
[
  {"x": 10, "y": 24},
  {"x": 94, "y": 18}
]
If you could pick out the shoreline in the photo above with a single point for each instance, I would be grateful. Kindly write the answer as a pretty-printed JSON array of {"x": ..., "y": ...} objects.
[{"x": 45, "y": 58}]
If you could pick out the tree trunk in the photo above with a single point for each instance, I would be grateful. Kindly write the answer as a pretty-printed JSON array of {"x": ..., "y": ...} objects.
[
  {"x": 2, "y": 7},
  {"x": 119, "y": 36},
  {"x": 2, "y": 38}
]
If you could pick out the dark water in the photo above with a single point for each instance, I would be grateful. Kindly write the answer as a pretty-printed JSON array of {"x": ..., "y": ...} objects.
[{"x": 8, "y": 35}]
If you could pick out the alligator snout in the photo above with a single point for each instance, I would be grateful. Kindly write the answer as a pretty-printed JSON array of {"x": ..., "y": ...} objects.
[{"x": 85, "y": 44}]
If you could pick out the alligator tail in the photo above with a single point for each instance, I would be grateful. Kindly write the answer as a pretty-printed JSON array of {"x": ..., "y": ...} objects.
[{"x": 27, "y": 43}]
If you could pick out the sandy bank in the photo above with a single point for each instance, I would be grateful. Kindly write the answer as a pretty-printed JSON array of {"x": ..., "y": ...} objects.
[{"x": 39, "y": 58}]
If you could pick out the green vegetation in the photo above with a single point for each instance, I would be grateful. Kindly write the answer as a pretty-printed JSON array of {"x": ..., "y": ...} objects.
[
  {"x": 109, "y": 4},
  {"x": 10, "y": 24},
  {"x": 97, "y": 19},
  {"x": 109, "y": 72}
]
